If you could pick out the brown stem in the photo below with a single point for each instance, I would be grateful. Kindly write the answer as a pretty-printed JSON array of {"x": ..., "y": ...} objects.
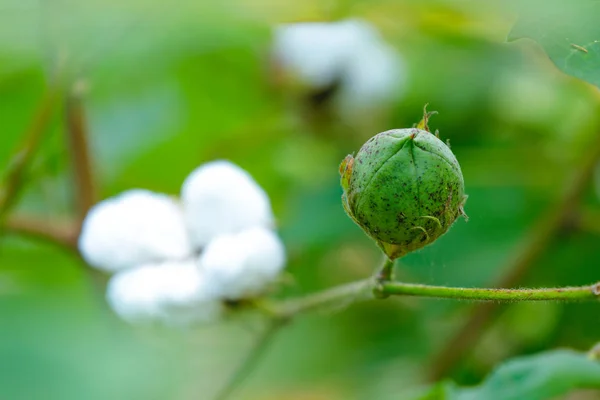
[
  {"x": 76, "y": 132},
  {"x": 60, "y": 232},
  {"x": 533, "y": 247},
  {"x": 14, "y": 178}
]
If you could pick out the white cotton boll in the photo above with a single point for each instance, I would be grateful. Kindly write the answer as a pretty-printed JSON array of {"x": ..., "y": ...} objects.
[
  {"x": 136, "y": 227},
  {"x": 317, "y": 52},
  {"x": 309, "y": 52},
  {"x": 370, "y": 73},
  {"x": 374, "y": 77},
  {"x": 173, "y": 293},
  {"x": 243, "y": 265},
  {"x": 220, "y": 198}
]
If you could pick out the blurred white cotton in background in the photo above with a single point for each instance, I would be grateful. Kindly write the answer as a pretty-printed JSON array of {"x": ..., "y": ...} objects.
[
  {"x": 220, "y": 198},
  {"x": 244, "y": 264},
  {"x": 316, "y": 52},
  {"x": 136, "y": 227},
  {"x": 175, "y": 293},
  {"x": 372, "y": 79},
  {"x": 370, "y": 73}
]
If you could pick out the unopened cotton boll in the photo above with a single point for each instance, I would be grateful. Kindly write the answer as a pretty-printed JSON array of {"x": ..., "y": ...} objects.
[
  {"x": 173, "y": 293},
  {"x": 221, "y": 198},
  {"x": 134, "y": 228},
  {"x": 243, "y": 265}
]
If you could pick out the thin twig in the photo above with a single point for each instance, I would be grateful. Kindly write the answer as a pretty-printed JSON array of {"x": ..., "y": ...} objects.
[
  {"x": 251, "y": 359},
  {"x": 77, "y": 137},
  {"x": 62, "y": 233},
  {"x": 14, "y": 177},
  {"x": 534, "y": 246},
  {"x": 347, "y": 293},
  {"x": 373, "y": 288}
]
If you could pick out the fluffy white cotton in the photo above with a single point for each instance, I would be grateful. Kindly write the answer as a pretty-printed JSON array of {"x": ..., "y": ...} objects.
[
  {"x": 173, "y": 293},
  {"x": 351, "y": 52},
  {"x": 244, "y": 264},
  {"x": 221, "y": 198},
  {"x": 134, "y": 228},
  {"x": 317, "y": 52},
  {"x": 374, "y": 76}
]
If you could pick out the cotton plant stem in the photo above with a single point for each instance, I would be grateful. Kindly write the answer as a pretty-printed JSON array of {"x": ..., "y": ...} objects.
[
  {"x": 387, "y": 270},
  {"x": 344, "y": 294},
  {"x": 374, "y": 288},
  {"x": 60, "y": 232},
  {"x": 14, "y": 177},
  {"x": 590, "y": 292},
  {"x": 77, "y": 137},
  {"x": 533, "y": 246}
]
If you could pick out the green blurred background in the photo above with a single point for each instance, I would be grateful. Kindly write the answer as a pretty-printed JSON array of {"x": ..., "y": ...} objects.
[{"x": 174, "y": 85}]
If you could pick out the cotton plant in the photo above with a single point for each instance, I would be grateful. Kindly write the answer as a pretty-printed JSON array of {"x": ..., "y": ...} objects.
[
  {"x": 178, "y": 261},
  {"x": 350, "y": 55}
]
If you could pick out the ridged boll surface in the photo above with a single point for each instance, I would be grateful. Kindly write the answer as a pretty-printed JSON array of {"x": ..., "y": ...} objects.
[{"x": 404, "y": 188}]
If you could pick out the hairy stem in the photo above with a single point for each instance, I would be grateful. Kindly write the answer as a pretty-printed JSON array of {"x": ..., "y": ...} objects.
[
  {"x": 343, "y": 294},
  {"x": 590, "y": 292},
  {"x": 374, "y": 288},
  {"x": 525, "y": 257}
]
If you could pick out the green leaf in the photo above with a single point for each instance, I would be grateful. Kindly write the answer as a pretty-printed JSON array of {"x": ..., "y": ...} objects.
[
  {"x": 568, "y": 31},
  {"x": 538, "y": 377}
]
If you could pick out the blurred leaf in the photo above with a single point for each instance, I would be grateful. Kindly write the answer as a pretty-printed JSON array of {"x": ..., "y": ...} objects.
[
  {"x": 441, "y": 391},
  {"x": 317, "y": 218},
  {"x": 569, "y": 32},
  {"x": 538, "y": 377}
]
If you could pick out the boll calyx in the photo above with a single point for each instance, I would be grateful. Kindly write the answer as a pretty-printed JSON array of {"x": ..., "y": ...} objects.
[{"x": 404, "y": 188}]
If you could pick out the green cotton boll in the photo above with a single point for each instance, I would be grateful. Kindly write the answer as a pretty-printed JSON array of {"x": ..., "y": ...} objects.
[{"x": 404, "y": 188}]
